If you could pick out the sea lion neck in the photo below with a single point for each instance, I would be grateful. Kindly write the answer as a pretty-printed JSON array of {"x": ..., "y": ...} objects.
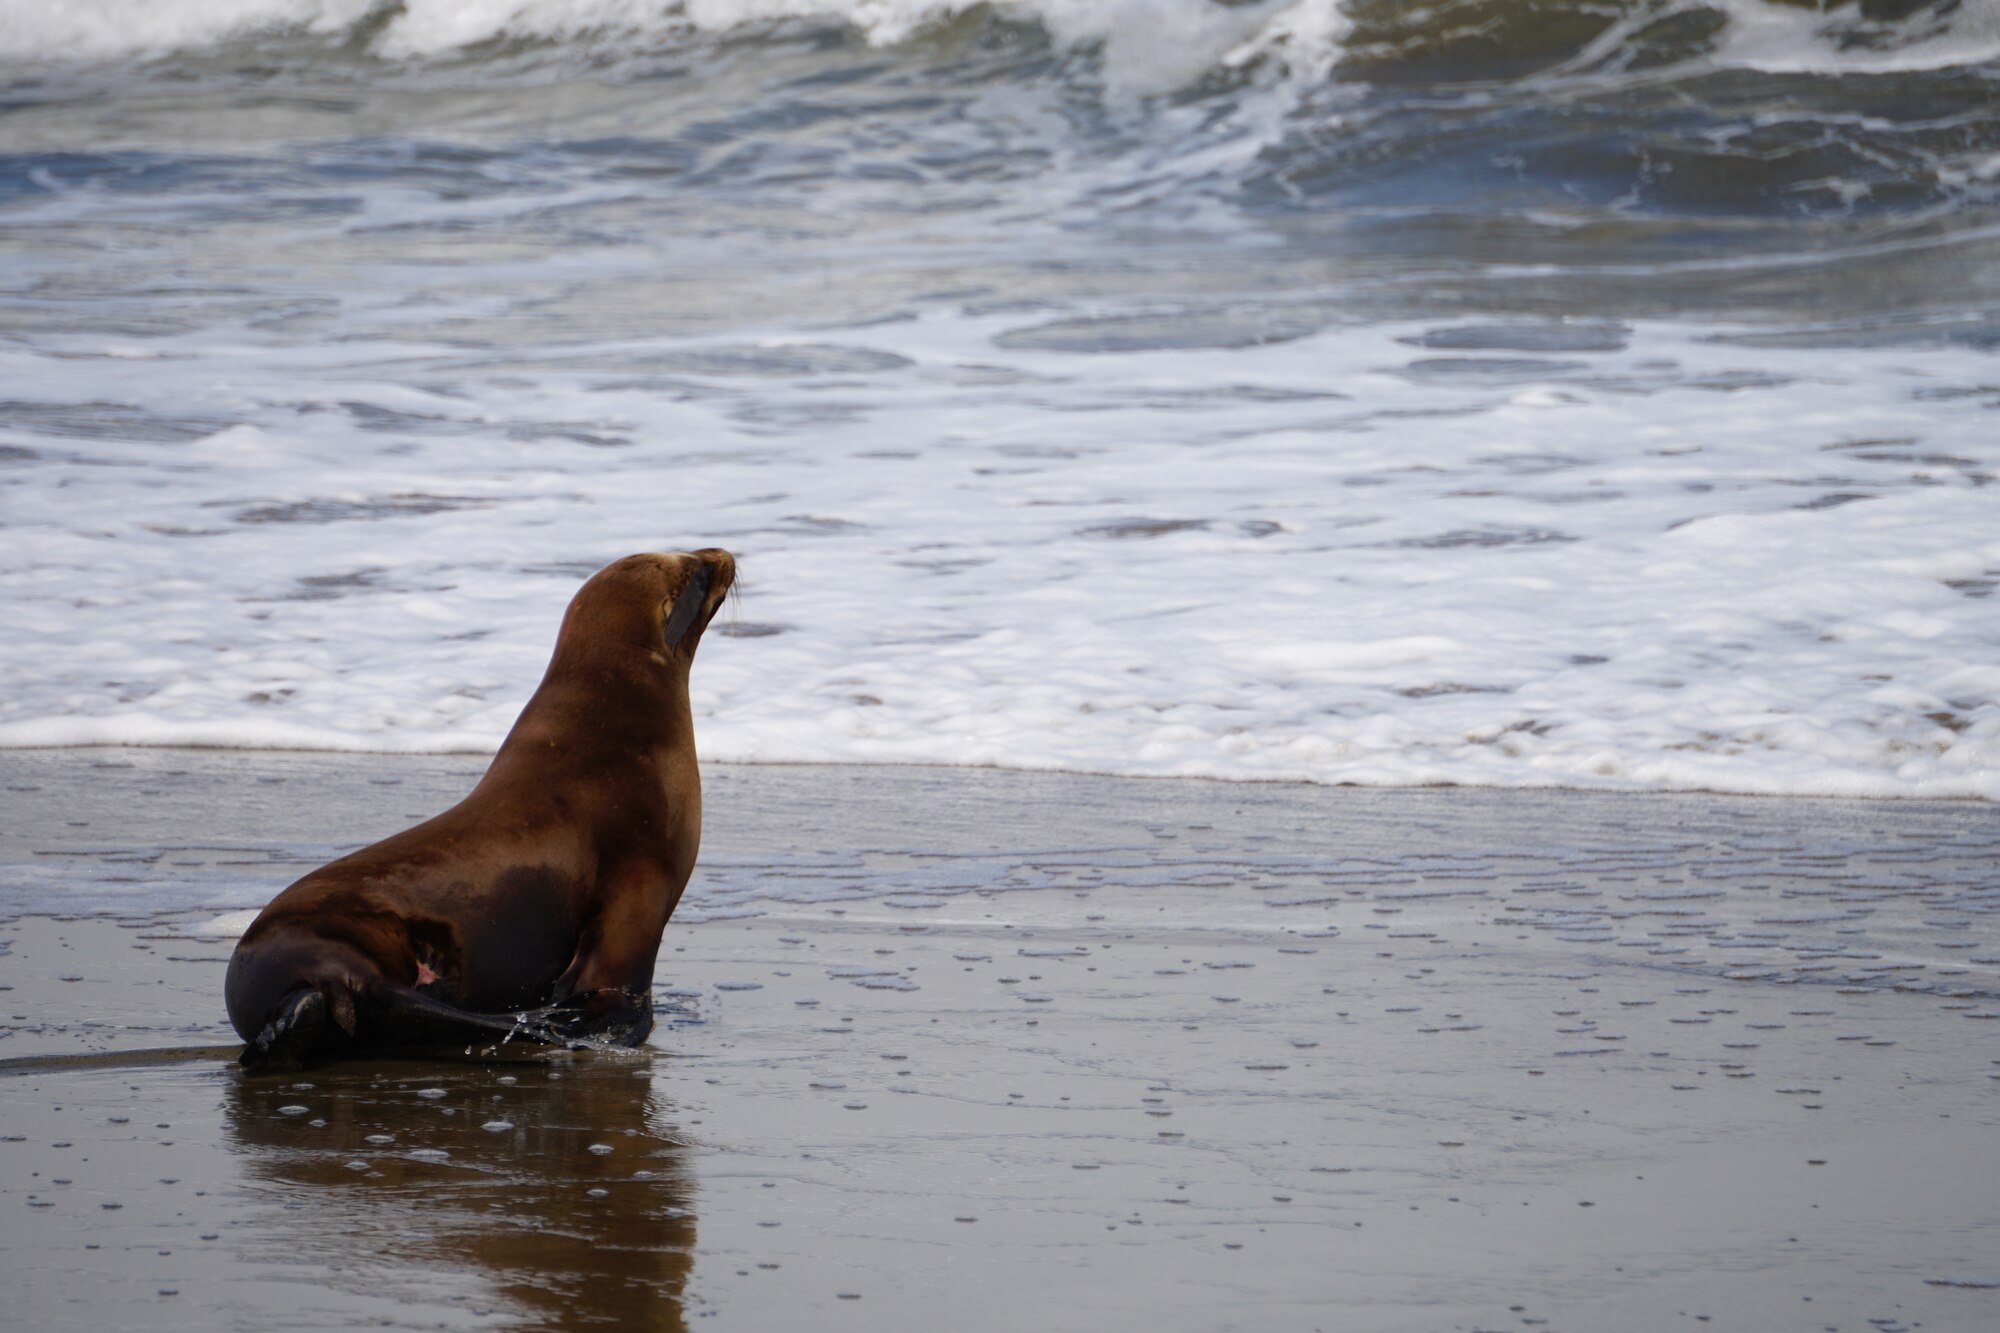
[{"x": 630, "y": 702}]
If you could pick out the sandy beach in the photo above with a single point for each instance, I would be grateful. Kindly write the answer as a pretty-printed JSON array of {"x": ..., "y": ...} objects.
[{"x": 1052, "y": 1051}]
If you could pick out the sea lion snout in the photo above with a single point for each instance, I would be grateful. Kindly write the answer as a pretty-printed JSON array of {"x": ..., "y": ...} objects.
[
  {"x": 720, "y": 566},
  {"x": 700, "y": 595}
]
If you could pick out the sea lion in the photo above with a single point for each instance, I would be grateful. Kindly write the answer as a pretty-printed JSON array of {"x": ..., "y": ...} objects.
[{"x": 534, "y": 907}]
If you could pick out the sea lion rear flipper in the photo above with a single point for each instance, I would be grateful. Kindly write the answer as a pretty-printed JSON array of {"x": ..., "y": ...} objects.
[{"x": 302, "y": 1019}]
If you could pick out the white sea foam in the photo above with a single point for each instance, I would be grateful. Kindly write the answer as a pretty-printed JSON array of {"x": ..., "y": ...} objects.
[
  {"x": 87, "y": 29},
  {"x": 1156, "y": 44},
  {"x": 1789, "y": 39},
  {"x": 1151, "y": 45},
  {"x": 1681, "y": 564},
  {"x": 227, "y": 925},
  {"x": 1031, "y": 416}
]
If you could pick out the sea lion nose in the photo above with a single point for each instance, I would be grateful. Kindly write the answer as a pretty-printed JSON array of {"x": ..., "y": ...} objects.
[{"x": 721, "y": 566}]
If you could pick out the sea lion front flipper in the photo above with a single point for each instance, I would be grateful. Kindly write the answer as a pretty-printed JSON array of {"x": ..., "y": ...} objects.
[{"x": 611, "y": 1015}]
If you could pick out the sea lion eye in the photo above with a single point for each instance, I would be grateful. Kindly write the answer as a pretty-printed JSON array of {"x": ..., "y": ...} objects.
[{"x": 687, "y": 606}]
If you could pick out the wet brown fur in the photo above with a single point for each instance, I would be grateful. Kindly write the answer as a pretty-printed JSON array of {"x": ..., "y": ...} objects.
[{"x": 551, "y": 883}]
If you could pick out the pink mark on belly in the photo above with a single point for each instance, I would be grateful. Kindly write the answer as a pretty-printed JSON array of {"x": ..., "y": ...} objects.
[{"x": 424, "y": 974}]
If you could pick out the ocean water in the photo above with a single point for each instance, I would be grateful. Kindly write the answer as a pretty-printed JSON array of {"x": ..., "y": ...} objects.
[{"x": 1499, "y": 392}]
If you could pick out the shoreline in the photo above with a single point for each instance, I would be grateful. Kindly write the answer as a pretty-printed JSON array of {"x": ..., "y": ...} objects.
[
  {"x": 985, "y": 1049},
  {"x": 1989, "y": 795}
]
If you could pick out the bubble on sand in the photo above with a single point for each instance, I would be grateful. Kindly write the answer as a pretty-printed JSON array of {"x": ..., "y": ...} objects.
[
  {"x": 431, "y": 1093},
  {"x": 497, "y": 1126},
  {"x": 294, "y": 1109},
  {"x": 429, "y": 1155}
]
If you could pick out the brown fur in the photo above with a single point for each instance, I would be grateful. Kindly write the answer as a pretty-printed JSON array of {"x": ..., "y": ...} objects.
[{"x": 551, "y": 883}]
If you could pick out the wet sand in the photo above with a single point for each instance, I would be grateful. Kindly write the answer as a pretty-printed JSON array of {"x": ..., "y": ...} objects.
[{"x": 1008, "y": 1050}]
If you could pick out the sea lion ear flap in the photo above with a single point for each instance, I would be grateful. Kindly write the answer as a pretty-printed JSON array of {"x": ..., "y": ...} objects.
[{"x": 687, "y": 606}]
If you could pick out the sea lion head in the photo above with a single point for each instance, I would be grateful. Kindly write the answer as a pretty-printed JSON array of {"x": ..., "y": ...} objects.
[{"x": 658, "y": 602}]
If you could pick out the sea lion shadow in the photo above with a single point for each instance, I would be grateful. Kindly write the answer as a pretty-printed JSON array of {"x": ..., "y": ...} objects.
[{"x": 560, "y": 1184}]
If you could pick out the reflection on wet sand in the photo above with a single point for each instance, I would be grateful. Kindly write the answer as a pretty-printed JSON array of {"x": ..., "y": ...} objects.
[{"x": 561, "y": 1185}]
